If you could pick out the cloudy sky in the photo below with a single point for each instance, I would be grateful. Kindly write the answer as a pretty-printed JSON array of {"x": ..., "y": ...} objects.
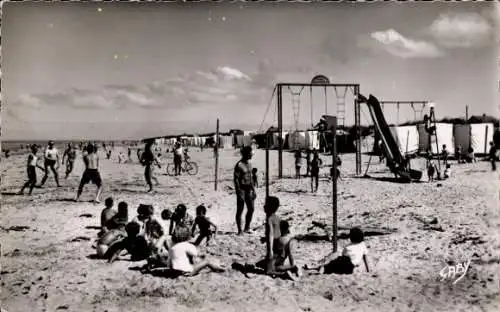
[{"x": 116, "y": 70}]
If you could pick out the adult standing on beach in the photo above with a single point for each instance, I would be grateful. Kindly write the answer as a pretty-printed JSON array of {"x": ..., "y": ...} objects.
[
  {"x": 148, "y": 159},
  {"x": 178, "y": 158},
  {"x": 91, "y": 173},
  {"x": 51, "y": 160},
  {"x": 244, "y": 188}
]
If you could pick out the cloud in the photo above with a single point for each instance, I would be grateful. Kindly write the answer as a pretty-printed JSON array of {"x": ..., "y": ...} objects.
[
  {"x": 396, "y": 44},
  {"x": 461, "y": 30},
  {"x": 231, "y": 73},
  {"x": 219, "y": 85}
]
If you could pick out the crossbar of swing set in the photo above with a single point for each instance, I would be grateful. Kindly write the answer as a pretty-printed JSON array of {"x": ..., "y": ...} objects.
[
  {"x": 424, "y": 103},
  {"x": 357, "y": 117}
]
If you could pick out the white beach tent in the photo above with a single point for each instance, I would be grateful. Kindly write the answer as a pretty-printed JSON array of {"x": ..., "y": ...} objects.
[
  {"x": 297, "y": 139},
  {"x": 275, "y": 139},
  {"x": 407, "y": 138},
  {"x": 444, "y": 134},
  {"x": 312, "y": 139},
  {"x": 477, "y": 136}
]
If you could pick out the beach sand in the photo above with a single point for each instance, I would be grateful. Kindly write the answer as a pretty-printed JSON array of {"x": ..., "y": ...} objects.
[{"x": 48, "y": 265}]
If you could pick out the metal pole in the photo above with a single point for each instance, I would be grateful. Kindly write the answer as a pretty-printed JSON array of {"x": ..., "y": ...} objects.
[
  {"x": 357, "y": 122},
  {"x": 467, "y": 113},
  {"x": 267, "y": 165},
  {"x": 280, "y": 130},
  {"x": 217, "y": 155},
  {"x": 334, "y": 185}
]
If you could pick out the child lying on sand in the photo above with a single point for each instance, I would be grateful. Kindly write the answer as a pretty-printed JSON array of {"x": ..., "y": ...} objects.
[{"x": 351, "y": 256}]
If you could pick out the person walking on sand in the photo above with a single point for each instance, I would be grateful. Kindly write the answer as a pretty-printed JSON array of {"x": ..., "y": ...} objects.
[
  {"x": 31, "y": 170},
  {"x": 91, "y": 173},
  {"x": 148, "y": 159},
  {"x": 51, "y": 160},
  {"x": 70, "y": 155},
  {"x": 244, "y": 188}
]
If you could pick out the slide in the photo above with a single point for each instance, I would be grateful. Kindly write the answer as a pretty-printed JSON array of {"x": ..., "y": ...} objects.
[{"x": 395, "y": 160}]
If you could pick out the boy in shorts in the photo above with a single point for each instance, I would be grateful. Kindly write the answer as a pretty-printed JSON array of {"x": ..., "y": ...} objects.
[{"x": 91, "y": 173}]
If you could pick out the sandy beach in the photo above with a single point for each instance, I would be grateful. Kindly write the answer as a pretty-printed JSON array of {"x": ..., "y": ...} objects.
[{"x": 47, "y": 260}]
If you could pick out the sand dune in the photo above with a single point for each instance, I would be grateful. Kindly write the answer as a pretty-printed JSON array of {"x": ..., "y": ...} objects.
[{"x": 46, "y": 242}]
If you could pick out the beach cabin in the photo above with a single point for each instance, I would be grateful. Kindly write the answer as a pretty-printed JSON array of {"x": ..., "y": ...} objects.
[
  {"x": 407, "y": 138},
  {"x": 444, "y": 134},
  {"x": 477, "y": 136}
]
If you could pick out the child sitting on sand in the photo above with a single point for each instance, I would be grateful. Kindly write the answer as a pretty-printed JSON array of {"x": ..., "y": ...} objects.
[
  {"x": 351, "y": 256},
  {"x": 447, "y": 171},
  {"x": 283, "y": 250},
  {"x": 134, "y": 244},
  {"x": 182, "y": 256},
  {"x": 120, "y": 219},
  {"x": 107, "y": 213},
  {"x": 180, "y": 219},
  {"x": 204, "y": 224}
]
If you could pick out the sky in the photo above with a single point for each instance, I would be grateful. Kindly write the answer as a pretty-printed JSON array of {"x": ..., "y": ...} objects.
[{"x": 135, "y": 70}]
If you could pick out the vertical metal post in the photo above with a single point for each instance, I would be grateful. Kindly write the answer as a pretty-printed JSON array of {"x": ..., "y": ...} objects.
[
  {"x": 280, "y": 130},
  {"x": 397, "y": 107},
  {"x": 466, "y": 113},
  {"x": 334, "y": 185},
  {"x": 486, "y": 139},
  {"x": 217, "y": 155},
  {"x": 357, "y": 123},
  {"x": 267, "y": 164}
]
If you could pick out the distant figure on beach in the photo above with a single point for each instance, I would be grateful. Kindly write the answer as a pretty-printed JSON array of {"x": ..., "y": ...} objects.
[
  {"x": 447, "y": 172},
  {"x": 91, "y": 173},
  {"x": 6, "y": 153},
  {"x": 471, "y": 157},
  {"x": 178, "y": 153},
  {"x": 148, "y": 160},
  {"x": 315, "y": 165},
  {"x": 129, "y": 155},
  {"x": 70, "y": 156},
  {"x": 51, "y": 158},
  {"x": 445, "y": 153},
  {"x": 308, "y": 161},
  {"x": 298, "y": 163},
  {"x": 493, "y": 156},
  {"x": 255, "y": 178},
  {"x": 458, "y": 153},
  {"x": 431, "y": 170},
  {"x": 31, "y": 170},
  {"x": 244, "y": 189}
]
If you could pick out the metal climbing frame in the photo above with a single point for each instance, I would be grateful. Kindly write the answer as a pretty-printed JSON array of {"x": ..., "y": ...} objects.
[
  {"x": 412, "y": 104},
  {"x": 325, "y": 84}
]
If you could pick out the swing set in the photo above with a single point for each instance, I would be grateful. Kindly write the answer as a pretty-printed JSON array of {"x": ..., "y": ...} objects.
[{"x": 296, "y": 90}]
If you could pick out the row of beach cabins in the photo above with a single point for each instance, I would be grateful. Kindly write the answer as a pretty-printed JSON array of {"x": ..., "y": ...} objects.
[{"x": 411, "y": 139}]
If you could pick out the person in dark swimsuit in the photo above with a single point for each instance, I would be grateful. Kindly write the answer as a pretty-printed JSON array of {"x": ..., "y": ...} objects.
[
  {"x": 51, "y": 161},
  {"x": 91, "y": 173},
  {"x": 70, "y": 155},
  {"x": 148, "y": 159},
  {"x": 244, "y": 189}
]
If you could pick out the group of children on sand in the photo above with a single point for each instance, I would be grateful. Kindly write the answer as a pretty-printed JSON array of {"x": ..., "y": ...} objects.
[{"x": 144, "y": 239}]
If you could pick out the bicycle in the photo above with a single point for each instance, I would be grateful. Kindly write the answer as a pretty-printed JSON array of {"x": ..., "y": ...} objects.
[{"x": 186, "y": 166}]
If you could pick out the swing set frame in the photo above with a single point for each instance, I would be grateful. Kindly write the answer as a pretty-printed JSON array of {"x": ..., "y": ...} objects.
[{"x": 321, "y": 82}]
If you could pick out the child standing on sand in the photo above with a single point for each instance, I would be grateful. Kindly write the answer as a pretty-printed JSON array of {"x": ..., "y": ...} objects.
[
  {"x": 315, "y": 164},
  {"x": 204, "y": 224},
  {"x": 298, "y": 163},
  {"x": 447, "y": 171},
  {"x": 352, "y": 255},
  {"x": 431, "y": 170},
  {"x": 255, "y": 180},
  {"x": 32, "y": 164}
]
